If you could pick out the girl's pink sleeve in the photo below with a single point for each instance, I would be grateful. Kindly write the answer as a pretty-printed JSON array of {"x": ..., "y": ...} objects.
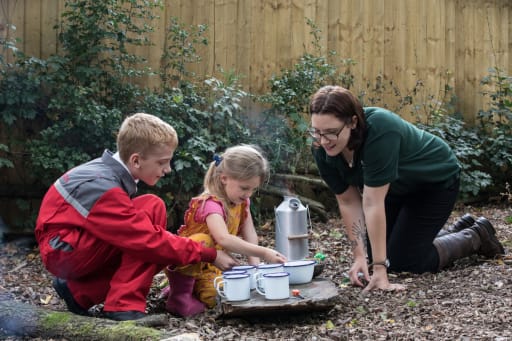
[{"x": 209, "y": 207}]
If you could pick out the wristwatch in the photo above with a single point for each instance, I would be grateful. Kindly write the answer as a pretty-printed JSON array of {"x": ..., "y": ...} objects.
[{"x": 385, "y": 263}]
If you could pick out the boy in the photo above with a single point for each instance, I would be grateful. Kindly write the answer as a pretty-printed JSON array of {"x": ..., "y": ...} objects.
[{"x": 101, "y": 242}]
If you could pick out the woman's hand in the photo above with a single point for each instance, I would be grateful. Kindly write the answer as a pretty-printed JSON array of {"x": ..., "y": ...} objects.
[
  {"x": 359, "y": 266},
  {"x": 379, "y": 280}
]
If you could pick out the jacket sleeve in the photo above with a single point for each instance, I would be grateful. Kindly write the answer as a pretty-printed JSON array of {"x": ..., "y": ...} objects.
[{"x": 115, "y": 220}]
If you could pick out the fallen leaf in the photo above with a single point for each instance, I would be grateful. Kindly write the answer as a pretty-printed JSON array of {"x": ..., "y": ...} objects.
[
  {"x": 46, "y": 299},
  {"x": 329, "y": 325}
]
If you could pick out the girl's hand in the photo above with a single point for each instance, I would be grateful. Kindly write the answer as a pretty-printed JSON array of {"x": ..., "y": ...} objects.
[
  {"x": 379, "y": 280},
  {"x": 272, "y": 256}
]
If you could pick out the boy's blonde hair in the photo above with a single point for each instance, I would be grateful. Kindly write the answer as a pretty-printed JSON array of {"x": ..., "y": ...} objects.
[
  {"x": 241, "y": 162},
  {"x": 142, "y": 133}
]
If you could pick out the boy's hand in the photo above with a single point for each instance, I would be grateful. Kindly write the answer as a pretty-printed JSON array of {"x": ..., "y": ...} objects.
[{"x": 224, "y": 261}]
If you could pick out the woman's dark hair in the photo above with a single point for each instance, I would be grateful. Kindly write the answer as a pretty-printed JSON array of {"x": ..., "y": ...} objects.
[{"x": 340, "y": 102}]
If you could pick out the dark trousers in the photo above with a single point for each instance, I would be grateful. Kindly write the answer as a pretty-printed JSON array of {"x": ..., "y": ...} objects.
[{"x": 413, "y": 222}]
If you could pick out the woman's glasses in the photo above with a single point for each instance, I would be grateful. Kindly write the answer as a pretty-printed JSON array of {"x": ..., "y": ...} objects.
[{"x": 329, "y": 135}]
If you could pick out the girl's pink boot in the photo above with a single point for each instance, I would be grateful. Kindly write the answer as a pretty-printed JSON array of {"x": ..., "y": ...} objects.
[{"x": 181, "y": 300}]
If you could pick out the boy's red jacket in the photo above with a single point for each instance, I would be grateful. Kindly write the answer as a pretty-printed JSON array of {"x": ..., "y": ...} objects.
[{"x": 96, "y": 197}]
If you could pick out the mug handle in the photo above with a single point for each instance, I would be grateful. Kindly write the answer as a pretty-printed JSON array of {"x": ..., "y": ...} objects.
[
  {"x": 257, "y": 275},
  {"x": 219, "y": 289},
  {"x": 216, "y": 279},
  {"x": 259, "y": 285}
]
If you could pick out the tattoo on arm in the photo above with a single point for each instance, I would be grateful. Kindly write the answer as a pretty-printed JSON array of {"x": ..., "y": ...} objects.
[{"x": 359, "y": 233}]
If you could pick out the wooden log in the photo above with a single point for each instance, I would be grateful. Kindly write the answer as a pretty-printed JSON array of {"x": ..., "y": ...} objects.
[
  {"x": 307, "y": 179},
  {"x": 318, "y": 295},
  {"x": 29, "y": 321},
  {"x": 314, "y": 205}
]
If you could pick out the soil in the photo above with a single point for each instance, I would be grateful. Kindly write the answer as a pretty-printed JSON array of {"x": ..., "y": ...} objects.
[{"x": 472, "y": 300}]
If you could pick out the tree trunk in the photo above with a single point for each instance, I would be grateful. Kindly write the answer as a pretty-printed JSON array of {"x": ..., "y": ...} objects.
[{"x": 24, "y": 320}]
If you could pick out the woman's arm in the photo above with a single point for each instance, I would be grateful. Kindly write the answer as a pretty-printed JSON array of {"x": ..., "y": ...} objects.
[
  {"x": 350, "y": 205},
  {"x": 375, "y": 214},
  {"x": 220, "y": 234}
]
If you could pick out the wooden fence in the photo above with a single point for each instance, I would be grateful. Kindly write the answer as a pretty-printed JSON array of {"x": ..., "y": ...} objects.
[{"x": 439, "y": 42}]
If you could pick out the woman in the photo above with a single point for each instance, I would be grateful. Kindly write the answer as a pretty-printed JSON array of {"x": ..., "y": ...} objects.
[{"x": 397, "y": 183}]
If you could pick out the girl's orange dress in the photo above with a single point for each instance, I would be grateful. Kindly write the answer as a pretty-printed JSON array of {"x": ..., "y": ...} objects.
[{"x": 203, "y": 272}]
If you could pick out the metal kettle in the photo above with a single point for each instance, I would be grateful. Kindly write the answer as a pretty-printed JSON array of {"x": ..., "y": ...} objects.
[{"x": 292, "y": 224}]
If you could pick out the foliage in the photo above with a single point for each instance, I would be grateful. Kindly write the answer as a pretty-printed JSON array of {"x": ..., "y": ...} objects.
[
  {"x": 87, "y": 85},
  {"x": 495, "y": 127},
  {"x": 206, "y": 113},
  {"x": 20, "y": 89},
  {"x": 95, "y": 36},
  {"x": 76, "y": 100},
  {"x": 4, "y": 162},
  {"x": 281, "y": 130},
  {"x": 207, "y": 119},
  {"x": 180, "y": 50},
  {"x": 71, "y": 104},
  {"x": 462, "y": 140}
]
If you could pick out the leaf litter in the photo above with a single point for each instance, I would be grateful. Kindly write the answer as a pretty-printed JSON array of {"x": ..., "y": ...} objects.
[{"x": 472, "y": 300}]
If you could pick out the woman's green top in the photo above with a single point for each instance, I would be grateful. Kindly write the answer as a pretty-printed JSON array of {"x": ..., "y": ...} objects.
[{"x": 394, "y": 151}]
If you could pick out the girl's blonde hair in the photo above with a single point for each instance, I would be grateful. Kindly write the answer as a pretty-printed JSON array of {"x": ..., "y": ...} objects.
[
  {"x": 143, "y": 133},
  {"x": 241, "y": 162}
]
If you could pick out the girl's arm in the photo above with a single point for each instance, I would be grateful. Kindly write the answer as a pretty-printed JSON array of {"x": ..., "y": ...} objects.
[
  {"x": 248, "y": 233},
  {"x": 220, "y": 234}
]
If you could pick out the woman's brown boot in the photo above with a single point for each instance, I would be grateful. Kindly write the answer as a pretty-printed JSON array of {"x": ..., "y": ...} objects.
[
  {"x": 477, "y": 239},
  {"x": 463, "y": 222}
]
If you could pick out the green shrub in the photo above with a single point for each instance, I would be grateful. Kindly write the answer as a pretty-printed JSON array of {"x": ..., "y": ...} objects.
[
  {"x": 495, "y": 130},
  {"x": 462, "y": 140},
  {"x": 281, "y": 130},
  {"x": 76, "y": 100},
  {"x": 480, "y": 151}
]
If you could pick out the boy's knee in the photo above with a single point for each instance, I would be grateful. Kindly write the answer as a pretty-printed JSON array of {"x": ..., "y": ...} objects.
[{"x": 150, "y": 199}]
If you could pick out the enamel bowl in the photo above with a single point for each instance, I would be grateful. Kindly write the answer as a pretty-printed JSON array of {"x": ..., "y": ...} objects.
[{"x": 301, "y": 271}]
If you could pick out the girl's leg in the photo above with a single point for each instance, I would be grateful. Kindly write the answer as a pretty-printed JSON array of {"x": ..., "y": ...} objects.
[{"x": 188, "y": 284}]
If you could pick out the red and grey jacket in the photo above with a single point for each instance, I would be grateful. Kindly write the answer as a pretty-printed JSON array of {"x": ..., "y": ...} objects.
[{"x": 97, "y": 197}]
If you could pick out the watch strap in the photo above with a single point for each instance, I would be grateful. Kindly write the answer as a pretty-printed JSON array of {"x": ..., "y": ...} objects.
[{"x": 383, "y": 263}]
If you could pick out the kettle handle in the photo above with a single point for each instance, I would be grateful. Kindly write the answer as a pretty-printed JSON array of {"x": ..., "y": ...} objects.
[{"x": 298, "y": 236}]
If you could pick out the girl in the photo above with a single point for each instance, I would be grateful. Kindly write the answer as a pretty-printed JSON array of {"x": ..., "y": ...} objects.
[{"x": 220, "y": 218}]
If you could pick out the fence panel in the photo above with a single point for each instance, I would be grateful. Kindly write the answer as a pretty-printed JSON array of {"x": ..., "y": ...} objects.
[{"x": 439, "y": 42}]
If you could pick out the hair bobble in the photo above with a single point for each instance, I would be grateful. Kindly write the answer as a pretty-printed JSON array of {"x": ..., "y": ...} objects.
[{"x": 217, "y": 158}]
